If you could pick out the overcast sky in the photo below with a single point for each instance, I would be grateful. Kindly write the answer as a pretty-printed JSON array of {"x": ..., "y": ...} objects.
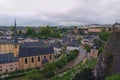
[{"x": 59, "y": 12}]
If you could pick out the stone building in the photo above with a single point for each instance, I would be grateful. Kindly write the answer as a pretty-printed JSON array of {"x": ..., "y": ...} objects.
[
  {"x": 8, "y": 63},
  {"x": 32, "y": 55},
  {"x": 11, "y": 46},
  {"x": 16, "y": 56}
]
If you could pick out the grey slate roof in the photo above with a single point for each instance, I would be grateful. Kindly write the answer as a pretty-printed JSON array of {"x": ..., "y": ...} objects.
[
  {"x": 32, "y": 44},
  {"x": 7, "y": 58},
  {"x": 74, "y": 43},
  {"x": 33, "y": 50}
]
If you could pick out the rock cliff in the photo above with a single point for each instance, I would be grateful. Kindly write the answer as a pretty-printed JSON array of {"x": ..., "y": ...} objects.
[{"x": 109, "y": 59}]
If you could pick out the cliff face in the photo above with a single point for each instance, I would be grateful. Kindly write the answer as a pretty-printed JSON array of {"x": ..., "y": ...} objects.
[{"x": 109, "y": 59}]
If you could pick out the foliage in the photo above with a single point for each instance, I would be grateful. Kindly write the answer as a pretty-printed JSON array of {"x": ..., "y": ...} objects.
[
  {"x": 114, "y": 77},
  {"x": 104, "y": 36},
  {"x": 85, "y": 74},
  {"x": 33, "y": 75},
  {"x": 49, "y": 69},
  {"x": 87, "y": 47},
  {"x": 30, "y": 32},
  {"x": 69, "y": 74},
  {"x": 61, "y": 62},
  {"x": 100, "y": 49},
  {"x": 72, "y": 55},
  {"x": 46, "y": 32}
]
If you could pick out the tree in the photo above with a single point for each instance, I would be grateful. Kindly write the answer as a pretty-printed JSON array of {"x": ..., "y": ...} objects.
[
  {"x": 114, "y": 77},
  {"x": 87, "y": 47},
  {"x": 49, "y": 69},
  {"x": 61, "y": 62},
  {"x": 72, "y": 55},
  {"x": 85, "y": 74},
  {"x": 33, "y": 75},
  {"x": 30, "y": 31},
  {"x": 100, "y": 49},
  {"x": 104, "y": 36}
]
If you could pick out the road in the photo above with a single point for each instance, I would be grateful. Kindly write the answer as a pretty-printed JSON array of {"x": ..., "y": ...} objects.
[
  {"x": 82, "y": 55},
  {"x": 80, "y": 58}
]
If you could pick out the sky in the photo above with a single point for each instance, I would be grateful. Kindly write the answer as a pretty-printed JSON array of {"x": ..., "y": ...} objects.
[{"x": 59, "y": 12}]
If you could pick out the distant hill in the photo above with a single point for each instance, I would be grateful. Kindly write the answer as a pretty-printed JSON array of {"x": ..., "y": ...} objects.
[{"x": 109, "y": 59}]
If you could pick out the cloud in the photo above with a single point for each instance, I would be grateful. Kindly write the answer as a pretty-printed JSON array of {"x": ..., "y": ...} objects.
[{"x": 59, "y": 12}]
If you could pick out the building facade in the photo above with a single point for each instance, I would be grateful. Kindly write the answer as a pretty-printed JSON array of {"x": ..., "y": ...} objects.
[
  {"x": 35, "y": 56},
  {"x": 8, "y": 63}
]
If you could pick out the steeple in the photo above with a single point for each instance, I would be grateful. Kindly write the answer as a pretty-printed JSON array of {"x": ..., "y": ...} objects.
[{"x": 15, "y": 33}]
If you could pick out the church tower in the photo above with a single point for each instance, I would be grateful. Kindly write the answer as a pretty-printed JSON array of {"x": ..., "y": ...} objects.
[
  {"x": 16, "y": 44},
  {"x": 15, "y": 33}
]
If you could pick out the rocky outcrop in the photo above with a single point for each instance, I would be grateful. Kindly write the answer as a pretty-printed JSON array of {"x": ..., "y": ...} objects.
[{"x": 109, "y": 59}]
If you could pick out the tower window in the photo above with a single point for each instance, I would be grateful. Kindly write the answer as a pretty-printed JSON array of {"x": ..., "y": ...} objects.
[
  {"x": 38, "y": 58},
  {"x": 26, "y": 61},
  {"x": 32, "y": 59}
]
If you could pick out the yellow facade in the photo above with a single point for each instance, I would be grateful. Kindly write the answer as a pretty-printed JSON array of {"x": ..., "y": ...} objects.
[
  {"x": 9, "y": 48},
  {"x": 23, "y": 65}
]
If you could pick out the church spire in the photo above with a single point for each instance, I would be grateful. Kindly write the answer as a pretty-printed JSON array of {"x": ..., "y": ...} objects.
[{"x": 15, "y": 33}]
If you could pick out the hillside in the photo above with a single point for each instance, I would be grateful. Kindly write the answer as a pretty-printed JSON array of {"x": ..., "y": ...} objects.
[{"x": 109, "y": 59}]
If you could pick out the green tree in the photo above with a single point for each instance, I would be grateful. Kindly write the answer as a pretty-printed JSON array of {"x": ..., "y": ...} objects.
[
  {"x": 31, "y": 32},
  {"x": 72, "y": 55},
  {"x": 114, "y": 77},
  {"x": 61, "y": 62},
  {"x": 87, "y": 47},
  {"x": 104, "y": 36},
  {"x": 33, "y": 75},
  {"x": 100, "y": 49},
  {"x": 49, "y": 69},
  {"x": 85, "y": 74}
]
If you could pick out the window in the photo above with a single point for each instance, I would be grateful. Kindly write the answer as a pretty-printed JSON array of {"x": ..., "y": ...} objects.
[
  {"x": 38, "y": 58},
  {"x": 32, "y": 59},
  {"x": 15, "y": 46},
  {"x": 26, "y": 61},
  {"x": 50, "y": 57},
  {"x": 44, "y": 56},
  {"x": 6, "y": 70}
]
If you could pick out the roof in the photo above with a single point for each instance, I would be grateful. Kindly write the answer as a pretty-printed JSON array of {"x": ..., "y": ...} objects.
[
  {"x": 74, "y": 43},
  {"x": 7, "y": 58},
  {"x": 26, "y": 51},
  {"x": 32, "y": 44},
  {"x": 57, "y": 45},
  {"x": 6, "y": 41}
]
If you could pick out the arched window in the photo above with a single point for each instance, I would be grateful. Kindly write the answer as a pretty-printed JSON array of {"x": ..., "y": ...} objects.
[
  {"x": 38, "y": 58},
  {"x": 50, "y": 57},
  {"x": 26, "y": 61},
  {"x": 32, "y": 59}
]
